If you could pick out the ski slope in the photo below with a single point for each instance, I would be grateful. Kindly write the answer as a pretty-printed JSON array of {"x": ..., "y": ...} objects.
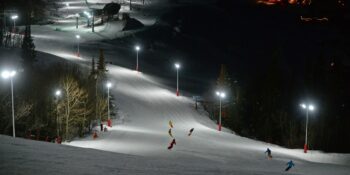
[{"x": 140, "y": 132}]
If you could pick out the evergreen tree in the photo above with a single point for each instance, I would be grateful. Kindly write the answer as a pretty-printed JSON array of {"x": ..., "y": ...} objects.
[
  {"x": 1, "y": 32},
  {"x": 28, "y": 47},
  {"x": 101, "y": 66},
  {"x": 93, "y": 67}
]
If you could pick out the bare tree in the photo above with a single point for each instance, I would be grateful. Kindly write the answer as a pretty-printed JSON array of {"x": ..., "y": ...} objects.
[{"x": 74, "y": 95}]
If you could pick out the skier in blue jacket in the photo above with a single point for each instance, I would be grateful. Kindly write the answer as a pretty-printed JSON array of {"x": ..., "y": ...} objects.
[{"x": 290, "y": 165}]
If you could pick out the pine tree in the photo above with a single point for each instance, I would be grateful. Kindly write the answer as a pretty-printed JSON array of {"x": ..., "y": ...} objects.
[
  {"x": 101, "y": 66},
  {"x": 1, "y": 32},
  {"x": 28, "y": 47},
  {"x": 93, "y": 67}
]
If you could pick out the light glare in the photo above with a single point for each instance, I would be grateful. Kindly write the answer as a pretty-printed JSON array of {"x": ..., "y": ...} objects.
[
  {"x": 109, "y": 84},
  {"x": 77, "y": 36},
  {"x": 137, "y": 48},
  {"x": 221, "y": 94},
  {"x": 177, "y": 65},
  {"x": 58, "y": 93},
  {"x": 7, "y": 74},
  {"x": 14, "y": 17}
]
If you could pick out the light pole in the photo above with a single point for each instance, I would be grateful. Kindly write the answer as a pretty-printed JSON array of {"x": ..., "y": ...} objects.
[
  {"x": 221, "y": 95},
  {"x": 109, "y": 122},
  {"x": 14, "y": 17},
  {"x": 93, "y": 22},
  {"x": 88, "y": 16},
  {"x": 77, "y": 20},
  {"x": 67, "y": 5},
  {"x": 137, "y": 48},
  {"x": 177, "y": 66},
  {"x": 307, "y": 107},
  {"x": 10, "y": 74},
  {"x": 78, "y": 38},
  {"x": 58, "y": 94}
]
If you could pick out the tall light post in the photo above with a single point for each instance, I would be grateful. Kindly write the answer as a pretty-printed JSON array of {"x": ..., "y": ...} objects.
[
  {"x": 109, "y": 122},
  {"x": 307, "y": 107},
  {"x": 10, "y": 74},
  {"x": 14, "y": 17},
  {"x": 77, "y": 20},
  {"x": 221, "y": 95},
  {"x": 137, "y": 48},
  {"x": 67, "y": 5},
  {"x": 177, "y": 66},
  {"x": 88, "y": 16},
  {"x": 78, "y": 40},
  {"x": 58, "y": 95}
]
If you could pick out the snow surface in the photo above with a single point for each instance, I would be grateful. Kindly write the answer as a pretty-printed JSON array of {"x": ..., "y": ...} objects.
[{"x": 137, "y": 142}]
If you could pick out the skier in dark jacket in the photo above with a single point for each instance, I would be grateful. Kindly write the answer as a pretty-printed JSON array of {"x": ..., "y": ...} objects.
[
  {"x": 290, "y": 165},
  {"x": 190, "y": 133},
  {"x": 269, "y": 155}
]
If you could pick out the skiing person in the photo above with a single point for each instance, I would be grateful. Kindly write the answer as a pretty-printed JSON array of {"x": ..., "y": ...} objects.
[
  {"x": 290, "y": 165},
  {"x": 191, "y": 130},
  {"x": 170, "y": 124},
  {"x": 172, "y": 143},
  {"x": 170, "y": 134},
  {"x": 268, "y": 151},
  {"x": 94, "y": 136},
  {"x": 101, "y": 126},
  {"x": 59, "y": 140}
]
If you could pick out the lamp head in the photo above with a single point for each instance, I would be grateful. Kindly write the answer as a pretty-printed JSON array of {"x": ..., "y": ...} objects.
[
  {"x": 58, "y": 93},
  {"x": 177, "y": 65},
  {"x": 311, "y": 107},
  {"x": 14, "y": 17},
  {"x": 221, "y": 94},
  {"x": 109, "y": 84},
  {"x": 8, "y": 74}
]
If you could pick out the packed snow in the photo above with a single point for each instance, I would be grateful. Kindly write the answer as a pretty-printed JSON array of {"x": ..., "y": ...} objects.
[{"x": 139, "y": 139}]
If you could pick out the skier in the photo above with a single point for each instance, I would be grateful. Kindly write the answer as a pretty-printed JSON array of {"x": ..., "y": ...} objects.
[
  {"x": 59, "y": 140},
  {"x": 94, "y": 136},
  {"x": 268, "y": 151},
  {"x": 290, "y": 165},
  {"x": 170, "y": 124},
  {"x": 101, "y": 126},
  {"x": 170, "y": 134},
  {"x": 191, "y": 130},
  {"x": 172, "y": 143}
]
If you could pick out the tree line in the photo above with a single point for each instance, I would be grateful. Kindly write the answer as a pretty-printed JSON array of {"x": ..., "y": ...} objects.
[
  {"x": 43, "y": 113},
  {"x": 267, "y": 106},
  {"x": 38, "y": 112}
]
